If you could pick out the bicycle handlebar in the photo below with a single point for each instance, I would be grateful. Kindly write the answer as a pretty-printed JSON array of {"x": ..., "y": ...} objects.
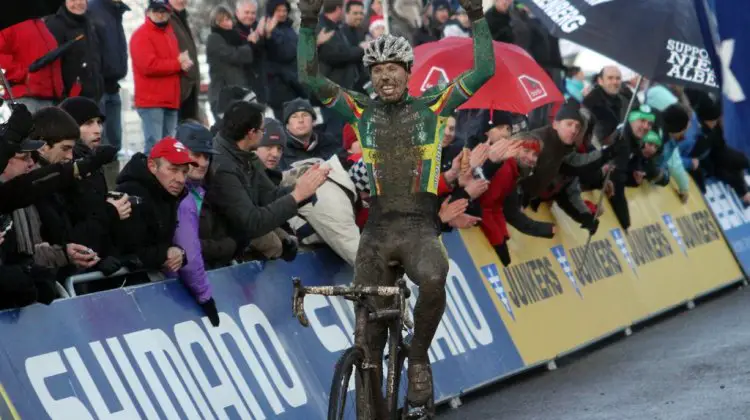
[{"x": 353, "y": 292}]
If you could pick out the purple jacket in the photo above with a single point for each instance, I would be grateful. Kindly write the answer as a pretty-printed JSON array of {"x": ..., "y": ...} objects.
[{"x": 193, "y": 274}]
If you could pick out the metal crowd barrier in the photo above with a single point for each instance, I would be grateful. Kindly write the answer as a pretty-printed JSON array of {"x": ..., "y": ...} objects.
[{"x": 93, "y": 276}]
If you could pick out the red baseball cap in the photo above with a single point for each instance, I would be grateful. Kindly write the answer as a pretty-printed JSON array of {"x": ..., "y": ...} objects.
[{"x": 173, "y": 151}]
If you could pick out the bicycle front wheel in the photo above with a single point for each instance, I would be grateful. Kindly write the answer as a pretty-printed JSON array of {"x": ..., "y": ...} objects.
[{"x": 361, "y": 407}]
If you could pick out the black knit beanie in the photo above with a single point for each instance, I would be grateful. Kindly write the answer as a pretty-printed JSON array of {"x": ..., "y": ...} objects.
[
  {"x": 570, "y": 110},
  {"x": 675, "y": 118},
  {"x": 708, "y": 109},
  {"x": 296, "y": 105},
  {"x": 82, "y": 109}
]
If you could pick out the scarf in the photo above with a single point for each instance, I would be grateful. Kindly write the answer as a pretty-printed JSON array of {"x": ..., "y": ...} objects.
[
  {"x": 27, "y": 225},
  {"x": 243, "y": 29},
  {"x": 574, "y": 89},
  {"x": 307, "y": 146},
  {"x": 232, "y": 37},
  {"x": 80, "y": 19}
]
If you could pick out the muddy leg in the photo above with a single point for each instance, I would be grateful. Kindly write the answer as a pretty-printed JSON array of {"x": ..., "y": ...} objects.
[
  {"x": 371, "y": 269},
  {"x": 426, "y": 264}
]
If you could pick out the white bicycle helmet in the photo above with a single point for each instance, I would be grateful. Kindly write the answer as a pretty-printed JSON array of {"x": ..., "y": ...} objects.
[{"x": 388, "y": 49}]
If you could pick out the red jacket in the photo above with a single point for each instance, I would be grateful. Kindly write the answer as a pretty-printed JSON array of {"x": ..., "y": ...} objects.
[
  {"x": 22, "y": 44},
  {"x": 493, "y": 220},
  {"x": 156, "y": 69}
]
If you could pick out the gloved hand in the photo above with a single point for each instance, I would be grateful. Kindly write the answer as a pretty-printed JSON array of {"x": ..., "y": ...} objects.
[
  {"x": 19, "y": 124},
  {"x": 46, "y": 291},
  {"x": 131, "y": 262},
  {"x": 44, "y": 282},
  {"x": 503, "y": 253},
  {"x": 209, "y": 308},
  {"x": 99, "y": 157},
  {"x": 473, "y": 9},
  {"x": 109, "y": 266},
  {"x": 309, "y": 12},
  {"x": 289, "y": 249},
  {"x": 591, "y": 224}
]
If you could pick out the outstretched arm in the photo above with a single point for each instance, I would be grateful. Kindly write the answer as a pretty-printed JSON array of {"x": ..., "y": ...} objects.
[
  {"x": 465, "y": 85},
  {"x": 333, "y": 96}
]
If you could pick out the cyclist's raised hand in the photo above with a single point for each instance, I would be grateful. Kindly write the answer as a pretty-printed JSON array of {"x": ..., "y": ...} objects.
[{"x": 309, "y": 10}]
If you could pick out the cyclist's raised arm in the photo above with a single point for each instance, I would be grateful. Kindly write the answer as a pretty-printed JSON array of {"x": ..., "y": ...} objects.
[
  {"x": 461, "y": 89},
  {"x": 348, "y": 104}
]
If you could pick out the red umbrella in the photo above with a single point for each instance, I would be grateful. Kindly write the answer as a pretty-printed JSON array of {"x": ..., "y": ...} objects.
[{"x": 519, "y": 84}]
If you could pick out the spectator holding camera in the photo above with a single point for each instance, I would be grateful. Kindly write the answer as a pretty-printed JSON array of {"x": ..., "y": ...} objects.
[
  {"x": 64, "y": 217},
  {"x": 24, "y": 244},
  {"x": 159, "y": 181},
  {"x": 27, "y": 188},
  {"x": 92, "y": 211}
]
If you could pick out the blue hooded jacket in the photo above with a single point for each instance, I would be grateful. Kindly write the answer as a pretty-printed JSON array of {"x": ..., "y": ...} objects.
[
  {"x": 688, "y": 144},
  {"x": 107, "y": 19}
]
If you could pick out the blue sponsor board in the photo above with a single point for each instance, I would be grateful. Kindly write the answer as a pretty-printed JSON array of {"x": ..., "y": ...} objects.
[
  {"x": 733, "y": 218},
  {"x": 147, "y": 352}
]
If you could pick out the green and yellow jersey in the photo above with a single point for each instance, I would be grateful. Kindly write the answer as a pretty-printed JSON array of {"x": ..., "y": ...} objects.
[{"x": 401, "y": 142}]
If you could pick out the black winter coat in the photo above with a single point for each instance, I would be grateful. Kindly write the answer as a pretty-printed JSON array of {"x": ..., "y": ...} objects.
[
  {"x": 25, "y": 190},
  {"x": 607, "y": 109},
  {"x": 281, "y": 54},
  {"x": 218, "y": 247},
  {"x": 257, "y": 73},
  {"x": 499, "y": 24},
  {"x": 240, "y": 192},
  {"x": 83, "y": 61},
  {"x": 149, "y": 231},
  {"x": 228, "y": 57},
  {"x": 355, "y": 36},
  {"x": 339, "y": 60},
  {"x": 92, "y": 217},
  {"x": 106, "y": 16}
]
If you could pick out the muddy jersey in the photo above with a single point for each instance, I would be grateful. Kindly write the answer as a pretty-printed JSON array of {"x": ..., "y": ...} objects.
[{"x": 401, "y": 142}]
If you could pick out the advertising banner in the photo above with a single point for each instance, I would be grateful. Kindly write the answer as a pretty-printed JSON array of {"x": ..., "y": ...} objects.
[
  {"x": 148, "y": 353},
  {"x": 733, "y": 218},
  {"x": 553, "y": 303}
]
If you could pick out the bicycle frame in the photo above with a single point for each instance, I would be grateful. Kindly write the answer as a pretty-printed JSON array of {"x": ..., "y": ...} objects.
[{"x": 396, "y": 317}]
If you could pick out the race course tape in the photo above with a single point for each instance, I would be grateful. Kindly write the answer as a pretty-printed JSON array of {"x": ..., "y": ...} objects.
[{"x": 147, "y": 352}]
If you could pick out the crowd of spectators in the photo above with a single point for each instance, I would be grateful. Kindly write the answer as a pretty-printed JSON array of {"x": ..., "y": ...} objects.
[{"x": 279, "y": 171}]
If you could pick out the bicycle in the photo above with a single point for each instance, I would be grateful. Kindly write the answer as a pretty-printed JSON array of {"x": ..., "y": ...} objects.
[{"x": 370, "y": 403}]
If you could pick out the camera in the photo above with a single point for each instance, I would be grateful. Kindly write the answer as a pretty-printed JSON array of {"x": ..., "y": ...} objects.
[{"x": 133, "y": 199}]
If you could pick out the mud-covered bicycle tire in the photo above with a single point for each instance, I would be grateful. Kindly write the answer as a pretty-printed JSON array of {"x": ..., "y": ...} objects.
[
  {"x": 394, "y": 409},
  {"x": 349, "y": 362}
]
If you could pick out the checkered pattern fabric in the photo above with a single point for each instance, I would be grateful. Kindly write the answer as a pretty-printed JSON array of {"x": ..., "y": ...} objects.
[
  {"x": 620, "y": 242},
  {"x": 492, "y": 275},
  {"x": 674, "y": 231},
  {"x": 562, "y": 258},
  {"x": 358, "y": 174}
]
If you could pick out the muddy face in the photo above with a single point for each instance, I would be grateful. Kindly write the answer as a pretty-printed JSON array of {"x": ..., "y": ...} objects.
[{"x": 390, "y": 81}]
